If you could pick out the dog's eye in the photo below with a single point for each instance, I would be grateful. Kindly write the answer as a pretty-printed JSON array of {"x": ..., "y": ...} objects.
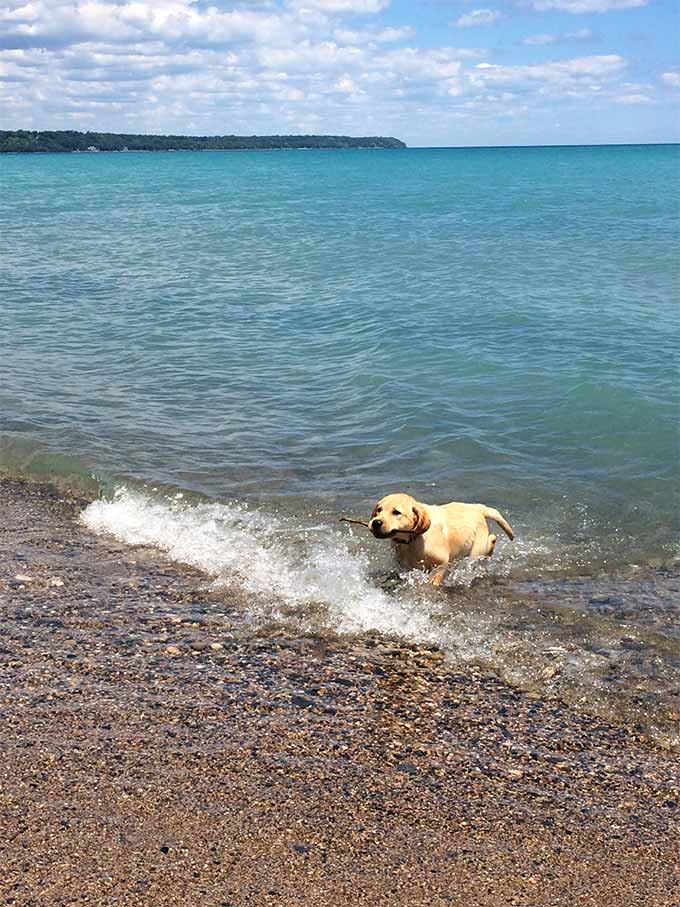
[{"x": 397, "y": 512}]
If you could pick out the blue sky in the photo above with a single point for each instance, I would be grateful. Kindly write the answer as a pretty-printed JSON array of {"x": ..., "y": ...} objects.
[{"x": 432, "y": 72}]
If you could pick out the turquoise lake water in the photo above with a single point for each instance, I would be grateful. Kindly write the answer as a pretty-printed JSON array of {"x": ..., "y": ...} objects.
[{"x": 244, "y": 346}]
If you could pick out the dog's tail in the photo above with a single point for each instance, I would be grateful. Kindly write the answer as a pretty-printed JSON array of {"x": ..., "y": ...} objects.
[{"x": 497, "y": 517}]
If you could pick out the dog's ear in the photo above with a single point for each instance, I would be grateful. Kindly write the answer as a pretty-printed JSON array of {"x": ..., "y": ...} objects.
[{"x": 422, "y": 520}]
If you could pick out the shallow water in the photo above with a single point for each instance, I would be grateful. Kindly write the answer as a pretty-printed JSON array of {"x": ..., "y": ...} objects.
[
  {"x": 281, "y": 338},
  {"x": 608, "y": 642}
]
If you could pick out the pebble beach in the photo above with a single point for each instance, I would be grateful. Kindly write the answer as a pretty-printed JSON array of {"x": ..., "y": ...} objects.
[{"x": 158, "y": 750}]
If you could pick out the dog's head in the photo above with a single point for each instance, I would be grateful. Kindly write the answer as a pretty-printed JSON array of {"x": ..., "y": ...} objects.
[{"x": 397, "y": 513}]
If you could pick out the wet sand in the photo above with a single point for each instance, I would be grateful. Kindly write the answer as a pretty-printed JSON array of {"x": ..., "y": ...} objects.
[{"x": 157, "y": 751}]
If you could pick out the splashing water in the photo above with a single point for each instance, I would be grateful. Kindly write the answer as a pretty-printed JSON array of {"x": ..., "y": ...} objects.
[
  {"x": 287, "y": 569},
  {"x": 551, "y": 636}
]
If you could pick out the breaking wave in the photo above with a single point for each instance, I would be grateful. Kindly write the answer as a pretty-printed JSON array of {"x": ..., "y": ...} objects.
[{"x": 595, "y": 640}]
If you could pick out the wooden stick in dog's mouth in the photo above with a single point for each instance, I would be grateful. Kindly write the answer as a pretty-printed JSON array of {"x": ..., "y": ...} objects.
[{"x": 346, "y": 519}]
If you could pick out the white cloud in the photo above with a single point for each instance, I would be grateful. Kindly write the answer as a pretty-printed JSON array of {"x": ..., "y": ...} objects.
[
  {"x": 302, "y": 65},
  {"x": 372, "y": 36},
  {"x": 309, "y": 56},
  {"x": 341, "y": 6},
  {"x": 671, "y": 78},
  {"x": 347, "y": 86},
  {"x": 290, "y": 94},
  {"x": 582, "y": 34},
  {"x": 389, "y": 35},
  {"x": 579, "y": 80},
  {"x": 412, "y": 63},
  {"x": 634, "y": 99},
  {"x": 540, "y": 39},
  {"x": 559, "y": 72},
  {"x": 586, "y": 6},
  {"x": 478, "y": 17},
  {"x": 60, "y": 24}
]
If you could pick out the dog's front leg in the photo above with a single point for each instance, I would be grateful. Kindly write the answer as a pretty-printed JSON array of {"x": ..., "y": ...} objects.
[{"x": 436, "y": 578}]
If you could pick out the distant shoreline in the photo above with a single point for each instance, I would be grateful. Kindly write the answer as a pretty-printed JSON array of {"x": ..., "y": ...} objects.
[
  {"x": 36, "y": 142},
  {"x": 334, "y": 143}
]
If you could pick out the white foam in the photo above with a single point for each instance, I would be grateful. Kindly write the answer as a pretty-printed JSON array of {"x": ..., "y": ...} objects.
[
  {"x": 308, "y": 574},
  {"x": 321, "y": 577}
]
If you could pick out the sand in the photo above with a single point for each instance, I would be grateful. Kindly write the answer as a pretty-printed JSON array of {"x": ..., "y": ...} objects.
[{"x": 157, "y": 751}]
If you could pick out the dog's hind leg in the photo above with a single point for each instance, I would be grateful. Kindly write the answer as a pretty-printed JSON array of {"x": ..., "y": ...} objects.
[{"x": 483, "y": 545}]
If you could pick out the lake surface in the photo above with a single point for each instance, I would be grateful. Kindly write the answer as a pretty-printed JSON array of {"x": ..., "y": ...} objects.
[{"x": 236, "y": 349}]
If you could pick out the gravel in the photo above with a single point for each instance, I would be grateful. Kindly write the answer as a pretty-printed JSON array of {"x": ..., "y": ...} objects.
[{"x": 144, "y": 765}]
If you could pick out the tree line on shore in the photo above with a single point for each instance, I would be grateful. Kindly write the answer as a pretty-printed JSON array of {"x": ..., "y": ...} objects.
[{"x": 22, "y": 140}]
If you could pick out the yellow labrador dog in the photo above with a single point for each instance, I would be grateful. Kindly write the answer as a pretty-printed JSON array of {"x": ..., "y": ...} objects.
[{"x": 430, "y": 536}]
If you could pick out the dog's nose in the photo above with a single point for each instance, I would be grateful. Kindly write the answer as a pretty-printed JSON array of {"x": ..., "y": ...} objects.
[{"x": 376, "y": 524}]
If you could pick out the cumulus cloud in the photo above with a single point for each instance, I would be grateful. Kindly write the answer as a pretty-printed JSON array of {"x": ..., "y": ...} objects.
[
  {"x": 48, "y": 24},
  {"x": 581, "y": 79},
  {"x": 561, "y": 71},
  {"x": 376, "y": 36},
  {"x": 671, "y": 78},
  {"x": 478, "y": 17},
  {"x": 286, "y": 66},
  {"x": 587, "y": 6}
]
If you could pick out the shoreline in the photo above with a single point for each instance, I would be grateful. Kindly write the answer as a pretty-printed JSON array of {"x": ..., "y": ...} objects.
[
  {"x": 32, "y": 141},
  {"x": 157, "y": 750},
  {"x": 194, "y": 150}
]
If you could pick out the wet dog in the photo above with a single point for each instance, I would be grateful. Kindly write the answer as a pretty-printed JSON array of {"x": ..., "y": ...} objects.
[{"x": 429, "y": 537}]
